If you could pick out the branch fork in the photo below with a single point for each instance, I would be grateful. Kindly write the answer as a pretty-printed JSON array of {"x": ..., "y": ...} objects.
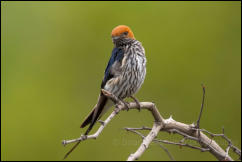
[{"x": 188, "y": 132}]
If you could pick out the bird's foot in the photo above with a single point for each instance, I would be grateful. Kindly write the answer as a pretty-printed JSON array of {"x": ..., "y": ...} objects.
[
  {"x": 126, "y": 104},
  {"x": 117, "y": 109},
  {"x": 137, "y": 102}
]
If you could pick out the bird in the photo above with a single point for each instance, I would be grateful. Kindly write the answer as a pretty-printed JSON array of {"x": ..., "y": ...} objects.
[{"x": 123, "y": 76}]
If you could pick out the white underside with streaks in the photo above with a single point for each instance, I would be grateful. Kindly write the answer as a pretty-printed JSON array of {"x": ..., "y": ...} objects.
[{"x": 132, "y": 75}]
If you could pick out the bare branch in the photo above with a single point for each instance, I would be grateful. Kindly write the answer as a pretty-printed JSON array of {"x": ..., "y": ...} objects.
[
  {"x": 201, "y": 111},
  {"x": 164, "y": 125},
  {"x": 166, "y": 150},
  {"x": 234, "y": 148},
  {"x": 146, "y": 141},
  {"x": 142, "y": 136},
  {"x": 183, "y": 144},
  {"x": 95, "y": 135}
]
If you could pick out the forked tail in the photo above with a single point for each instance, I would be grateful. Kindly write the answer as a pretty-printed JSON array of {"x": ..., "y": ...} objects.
[{"x": 92, "y": 118}]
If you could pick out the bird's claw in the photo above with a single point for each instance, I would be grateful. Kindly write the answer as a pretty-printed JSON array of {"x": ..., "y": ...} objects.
[
  {"x": 126, "y": 105},
  {"x": 137, "y": 102},
  {"x": 117, "y": 109},
  {"x": 138, "y": 106}
]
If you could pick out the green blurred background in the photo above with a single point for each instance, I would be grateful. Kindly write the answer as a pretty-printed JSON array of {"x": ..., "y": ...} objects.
[{"x": 54, "y": 55}]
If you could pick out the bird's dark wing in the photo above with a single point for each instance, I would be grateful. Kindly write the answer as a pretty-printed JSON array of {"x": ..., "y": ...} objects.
[
  {"x": 115, "y": 59},
  {"x": 112, "y": 70}
]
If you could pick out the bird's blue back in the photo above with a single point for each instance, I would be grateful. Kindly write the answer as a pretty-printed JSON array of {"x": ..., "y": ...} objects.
[{"x": 117, "y": 55}]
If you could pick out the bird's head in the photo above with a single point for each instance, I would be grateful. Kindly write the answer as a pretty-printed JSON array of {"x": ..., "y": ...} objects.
[{"x": 121, "y": 33}]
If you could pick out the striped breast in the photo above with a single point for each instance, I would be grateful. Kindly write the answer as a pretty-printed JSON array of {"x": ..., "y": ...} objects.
[{"x": 133, "y": 71}]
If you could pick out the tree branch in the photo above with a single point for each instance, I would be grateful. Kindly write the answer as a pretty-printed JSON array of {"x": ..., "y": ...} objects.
[
  {"x": 164, "y": 125},
  {"x": 146, "y": 141}
]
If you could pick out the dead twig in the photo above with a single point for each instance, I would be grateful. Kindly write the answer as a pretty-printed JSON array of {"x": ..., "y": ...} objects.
[{"x": 189, "y": 132}]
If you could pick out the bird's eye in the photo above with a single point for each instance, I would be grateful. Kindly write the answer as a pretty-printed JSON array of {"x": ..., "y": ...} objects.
[{"x": 126, "y": 33}]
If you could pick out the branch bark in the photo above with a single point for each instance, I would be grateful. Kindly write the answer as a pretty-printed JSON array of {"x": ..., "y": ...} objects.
[{"x": 188, "y": 131}]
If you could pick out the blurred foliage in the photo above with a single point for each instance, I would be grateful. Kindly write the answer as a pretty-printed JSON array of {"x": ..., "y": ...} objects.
[{"x": 54, "y": 55}]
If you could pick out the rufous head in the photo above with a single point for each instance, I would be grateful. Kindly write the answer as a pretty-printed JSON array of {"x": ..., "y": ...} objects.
[{"x": 122, "y": 31}]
